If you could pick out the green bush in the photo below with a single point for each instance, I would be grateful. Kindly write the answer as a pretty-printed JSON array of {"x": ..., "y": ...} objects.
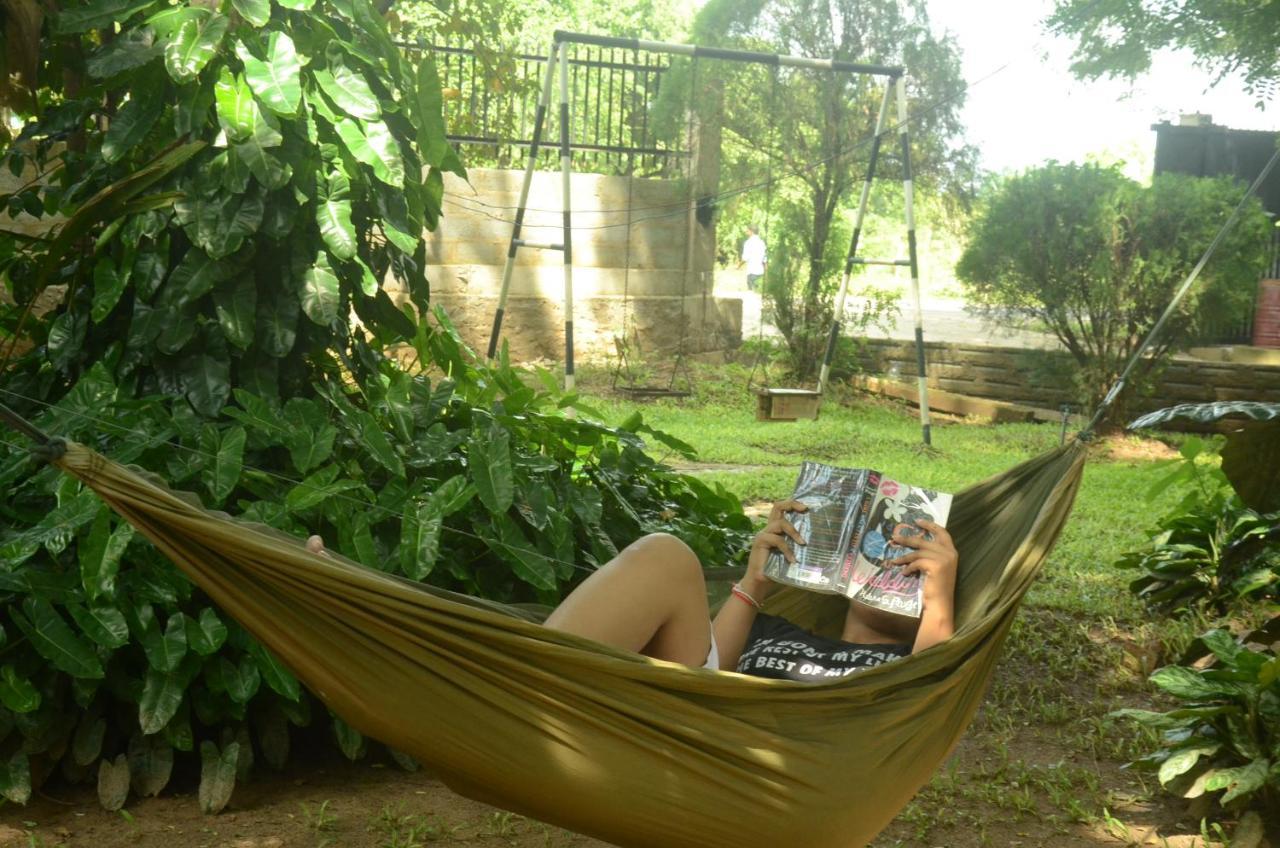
[
  {"x": 226, "y": 184},
  {"x": 1224, "y": 736},
  {"x": 475, "y": 482},
  {"x": 1221, "y": 543}
]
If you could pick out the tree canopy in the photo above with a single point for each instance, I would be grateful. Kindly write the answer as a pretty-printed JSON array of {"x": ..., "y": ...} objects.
[
  {"x": 811, "y": 130},
  {"x": 1095, "y": 258},
  {"x": 1117, "y": 38}
]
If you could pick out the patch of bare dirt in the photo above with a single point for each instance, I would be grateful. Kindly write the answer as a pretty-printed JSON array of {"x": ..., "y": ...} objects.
[{"x": 1127, "y": 448}]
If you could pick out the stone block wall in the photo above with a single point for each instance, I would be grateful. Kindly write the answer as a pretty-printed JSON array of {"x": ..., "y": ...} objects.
[
  {"x": 642, "y": 277},
  {"x": 1042, "y": 377}
]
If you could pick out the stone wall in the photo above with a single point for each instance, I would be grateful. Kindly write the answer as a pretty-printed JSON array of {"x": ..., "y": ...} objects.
[
  {"x": 1042, "y": 378},
  {"x": 642, "y": 277}
]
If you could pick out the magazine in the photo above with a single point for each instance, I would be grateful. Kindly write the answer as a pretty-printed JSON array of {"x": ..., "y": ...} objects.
[{"x": 853, "y": 513}]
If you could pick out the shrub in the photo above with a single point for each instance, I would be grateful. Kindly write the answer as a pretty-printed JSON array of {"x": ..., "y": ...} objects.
[
  {"x": 474, "y": 482},
  {"x": 1224, "y": 736}
]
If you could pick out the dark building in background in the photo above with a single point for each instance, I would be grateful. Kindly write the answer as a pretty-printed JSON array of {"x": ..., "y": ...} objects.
[{"x": 1196, "y": 146}]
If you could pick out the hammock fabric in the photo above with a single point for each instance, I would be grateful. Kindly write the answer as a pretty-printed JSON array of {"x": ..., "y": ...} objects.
[{"x": 608, "y": 743}]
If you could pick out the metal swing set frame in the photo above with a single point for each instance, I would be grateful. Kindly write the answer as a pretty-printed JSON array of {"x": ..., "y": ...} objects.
[{"x": 804, "y": 401}]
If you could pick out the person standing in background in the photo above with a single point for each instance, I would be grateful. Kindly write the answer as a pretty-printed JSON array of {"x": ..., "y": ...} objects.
[{"x": 753, "y": 256}]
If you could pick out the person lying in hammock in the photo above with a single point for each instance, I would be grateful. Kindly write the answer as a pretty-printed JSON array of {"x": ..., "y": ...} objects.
[{"x": 652, "y": 599}]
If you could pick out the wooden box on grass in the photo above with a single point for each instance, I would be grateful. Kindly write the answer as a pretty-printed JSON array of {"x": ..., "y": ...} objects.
[{"x": 786, "y": 404}]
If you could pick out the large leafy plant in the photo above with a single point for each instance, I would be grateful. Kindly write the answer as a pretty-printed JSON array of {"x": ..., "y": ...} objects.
[
  {"x": 1221, "y": 543},
  {"x": 225, "y": 183},
  {"x": 1224, "y": 735}
]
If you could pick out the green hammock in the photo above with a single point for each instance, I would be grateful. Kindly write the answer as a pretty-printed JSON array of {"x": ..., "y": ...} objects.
[{"x": 605, "y": 742}]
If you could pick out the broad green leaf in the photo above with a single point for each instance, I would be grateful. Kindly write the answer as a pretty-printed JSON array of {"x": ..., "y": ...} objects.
[
  {"x": 1187, "y": 684},
  {"x": 268, "y": 170},
  {"x": 217, "y": 775},
  {"x": 238, "y": 113},
  {"x": 453, "y": 494},
  {"x": 66, "y": 338},
  {"x": 100, "y": 555},
  {"x": 131, "y": 49},
  {"x": 1182, "y": 760},
  {"x": 420, "y": 538},
  {"x": 279, "y": 678},
  {"x": 150, "y": 764},
  {"x": 113, "y": 783},
  {"x": 299, "y": 5},
  {"x": 375, "y": 146},
  {"x": 273, "y": 737},
  {"x": 195, "y": 275},
  {"x": 378, "y": 444},
  {"x": 108, "y": 285},
  {"x": 15, "y": 778},
  {"x": 349, "y": 91},
  {"x": 350, "y": 740},
  {"x": 192, "y": 46},
  {"x": 278, "y": 81},
  {"x": 86, "y": 744},
  {"x": 241, "y": 679},
  {"x": 432, "y": 140},
  {"x": 333, "y": 216},
  {"x": 320, "y": 291},
  {"x": 97, "y": 14},
  {"x": 256, "y": 12},
  {"x": 277, "y": 322},
  {"x": 227, "y": 464},
  {"x": 309, "y": 447},
  {"x": 400, "y": 229},
  {"x": 368, "y": 282},
  {"x": 220, "y": 224},
  {"x": 54, "y": 640},
  {"x": 16, "y": 692},
  {"x": 235, "y": 305},
  {"x": 206, "y": 634},
  {"x": 527, "y": 562},
  {"x": 103, "y": 624},
  {"x": 132, "y": 123},
  {"x": 165, "y": 650},
  {"x": 206, "y": 382},
  {"x": 317, "y": 488},
  {"x": 1239, "y": 781},
  {"x": 489, "y": 455}
]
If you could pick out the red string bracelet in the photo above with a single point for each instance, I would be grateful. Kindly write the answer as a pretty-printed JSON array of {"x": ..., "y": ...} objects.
[{"x": 739, "y": 592}]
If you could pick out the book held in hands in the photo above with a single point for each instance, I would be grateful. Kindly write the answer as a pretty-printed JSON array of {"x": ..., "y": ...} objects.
[{"x": 853, "y": 514}]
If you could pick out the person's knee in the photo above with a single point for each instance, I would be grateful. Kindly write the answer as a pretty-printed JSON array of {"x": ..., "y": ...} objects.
[{"x": 672, "y": 554}]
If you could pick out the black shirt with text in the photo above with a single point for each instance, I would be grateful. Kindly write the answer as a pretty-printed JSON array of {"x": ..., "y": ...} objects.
[{"x": 778, "y": 649}]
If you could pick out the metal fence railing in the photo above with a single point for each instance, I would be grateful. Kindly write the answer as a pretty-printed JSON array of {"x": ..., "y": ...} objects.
[{"x": 490, "y": 101}]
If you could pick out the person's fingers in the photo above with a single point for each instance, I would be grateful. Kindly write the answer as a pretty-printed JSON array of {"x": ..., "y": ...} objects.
[
  {"x": 779, "y": 543},
  {"x": 907, "y": 541},
  {"x": 910, "y": 557},
  {"x": 780, "y": 508},
  {"x": 315, "y": 544},
  {"x": 939, "y": 532},
  {"x": 911, "y": 568},
  {"x": 782, "y": 526}
]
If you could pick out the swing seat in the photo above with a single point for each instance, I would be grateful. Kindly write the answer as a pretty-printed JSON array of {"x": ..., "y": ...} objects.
[
  {"x": 652, "y": 392},
  {"x": 774, "y": 404}
]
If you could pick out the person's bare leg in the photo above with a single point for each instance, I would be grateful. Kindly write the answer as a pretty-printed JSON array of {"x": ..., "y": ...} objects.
[{"x": 651, "y": 598}]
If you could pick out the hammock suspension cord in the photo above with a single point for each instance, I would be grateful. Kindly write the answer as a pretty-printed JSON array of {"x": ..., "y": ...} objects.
[{"x": 1087, "y": 433}]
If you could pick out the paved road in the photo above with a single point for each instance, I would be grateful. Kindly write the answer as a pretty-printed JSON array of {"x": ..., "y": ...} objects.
[{"x": 944, "y": 321}]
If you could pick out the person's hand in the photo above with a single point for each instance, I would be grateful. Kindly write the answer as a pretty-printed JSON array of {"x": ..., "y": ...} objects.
[
  {"x": 776, "y": 535},
  {"x": 935, "y": 558}
]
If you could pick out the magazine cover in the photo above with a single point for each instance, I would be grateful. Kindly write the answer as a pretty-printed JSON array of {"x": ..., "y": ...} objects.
[
  {"x": 896, "y": 507},
  {"x": 832, "y": 495},
  {"x": 853, "y": 513}
]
